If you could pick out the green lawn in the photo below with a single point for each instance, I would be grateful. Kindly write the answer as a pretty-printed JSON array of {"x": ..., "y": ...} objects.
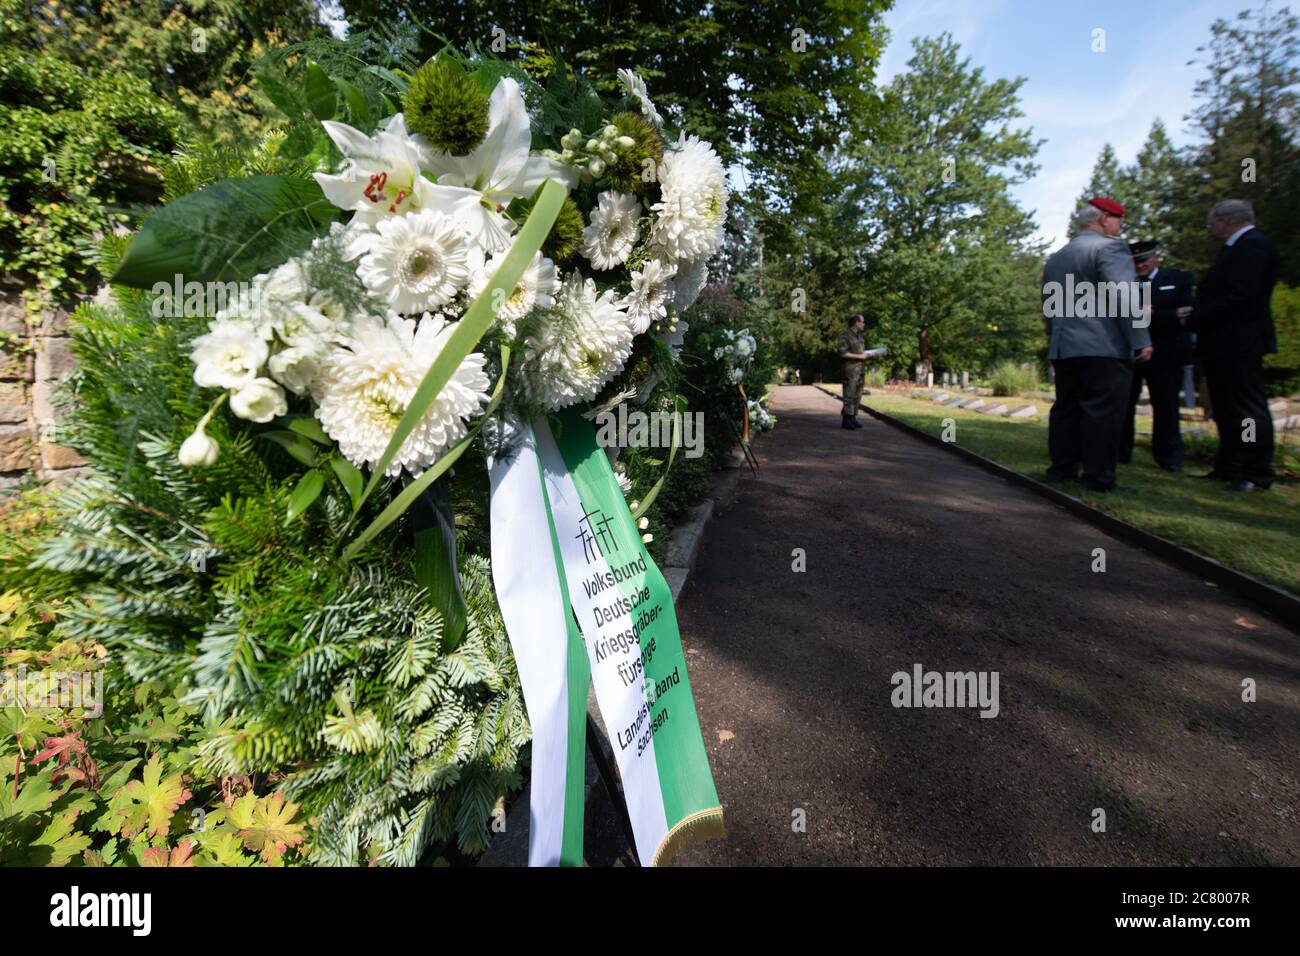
[{"x": 1258, "y": 533}]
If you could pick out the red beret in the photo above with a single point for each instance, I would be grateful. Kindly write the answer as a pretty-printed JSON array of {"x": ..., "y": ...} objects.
[{"x": 1107, "y": 205}]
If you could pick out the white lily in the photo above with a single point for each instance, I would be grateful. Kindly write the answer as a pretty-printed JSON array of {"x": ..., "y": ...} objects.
[
  {"x": 382, "y": 176},
  {"x": 499, "y": 169}
]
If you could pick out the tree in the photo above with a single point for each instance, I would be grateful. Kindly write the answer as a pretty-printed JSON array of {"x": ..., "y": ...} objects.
[
  {"x": 770, "y": 83},
  {"x": 1155, "y": 188},
  {"x": 196, "y": 55},
  {"x": 936, "y": 180},
  {"x": 1249, "y": 106},
  {"x": 1109, "y": 178}
]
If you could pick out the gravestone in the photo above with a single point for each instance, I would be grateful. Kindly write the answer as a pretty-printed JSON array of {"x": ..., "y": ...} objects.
[
  {"x": 996, "y": 409},
  {"x": 1024, "y": 411}
]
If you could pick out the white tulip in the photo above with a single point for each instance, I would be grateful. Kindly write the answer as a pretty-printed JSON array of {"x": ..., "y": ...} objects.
[{"x": 199, "y": 450}]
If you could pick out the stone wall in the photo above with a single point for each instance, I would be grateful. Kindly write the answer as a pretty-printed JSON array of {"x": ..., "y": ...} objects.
[{"x": 34, "y": 355}]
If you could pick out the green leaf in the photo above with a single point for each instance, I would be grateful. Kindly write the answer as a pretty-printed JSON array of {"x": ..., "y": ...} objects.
[
  {"x": 308, "y": 427},
  {"x": 321, "y": 99},
  {"x": 358, "y": 111},
  {"x": 297, "y": 446},
  {"x": 229, "y": 231},
  {"x": 350, "y": 477},
  {"x": 63, "y": 841},
  {"x": 435, "y": 571},
  {"x": 308, "y": 490},
  {"x": 36, "y": 795},
  {"x": 399, "y": 82},
  {"x": 679, "y": 405},
  {"x": 475, "y": 323}
]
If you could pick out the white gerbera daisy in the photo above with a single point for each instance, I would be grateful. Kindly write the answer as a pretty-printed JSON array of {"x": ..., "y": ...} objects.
[
  {"x": 364, "y": 388},
  {"x": 576, "y": 347},
  {"x": 608, "y": 241},
  {"x": 636, "y": 89},
  {"x": 650, "y": 295},
  {"x": 693, "y": 206},
  {"x": 536, "y": 289},
  {"x": 229, "y": 355},
  {"x": 418, "y": 261}
]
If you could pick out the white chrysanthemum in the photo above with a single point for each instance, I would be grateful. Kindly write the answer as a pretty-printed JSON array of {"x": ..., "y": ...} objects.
[
  {"x": 608, "y": 241},
  {"x": 228, "y": 355},
  {"x": 418, "y": 261},
  {"x": 536, "y": 289},
  {"x": 693, "y": 206},
  {"x": 365, "y": 387},
  {"x": 689, "y": 283},
  {"x": 650, "y": 295},
  {"x": 576, "y": 347},
  {"x": 636, "y": 89}
]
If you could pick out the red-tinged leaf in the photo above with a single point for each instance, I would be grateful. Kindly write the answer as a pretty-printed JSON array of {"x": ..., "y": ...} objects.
[
  {"x": 65, "y": 748},
  {"x": 265, "y": 824},
  {"x": 147, "y": 805},
  {"x": 160, "y": 856}
]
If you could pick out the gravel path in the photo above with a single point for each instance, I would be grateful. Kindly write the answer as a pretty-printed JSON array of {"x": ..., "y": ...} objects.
[{"x": 1119, "y": 690}]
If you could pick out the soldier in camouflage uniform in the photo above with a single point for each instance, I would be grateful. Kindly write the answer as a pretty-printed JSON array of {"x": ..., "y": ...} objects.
[{"x": 852, "y": 350}]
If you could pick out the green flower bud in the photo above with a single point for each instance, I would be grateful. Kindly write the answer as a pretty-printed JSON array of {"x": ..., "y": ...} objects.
[
  {"x": 446, "y": 107},
  {"x": 596, "y": 167},
  {"x": 645, "y": 142}
]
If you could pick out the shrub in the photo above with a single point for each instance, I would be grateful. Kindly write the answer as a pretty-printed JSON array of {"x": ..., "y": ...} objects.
[
  {"x": 1282, "y": 369},
  {"x": 1009, "y": 378}
]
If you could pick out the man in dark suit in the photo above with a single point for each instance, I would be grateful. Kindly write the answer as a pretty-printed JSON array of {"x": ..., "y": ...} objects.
[
  {"x": 1234, "y": 330},
  {"x": 1169, "y": 290}
]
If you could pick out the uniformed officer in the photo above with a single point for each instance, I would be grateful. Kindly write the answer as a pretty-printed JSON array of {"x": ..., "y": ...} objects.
[
  {"x": 1169, "y": 290},
  {"x": 1093, "y": 343},
  {"x": 853, "y": 352}
]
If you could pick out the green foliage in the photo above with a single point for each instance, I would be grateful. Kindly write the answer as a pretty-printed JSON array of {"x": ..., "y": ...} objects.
[
  {"x": 947, "y": 253},
  {"x": 231, "y": 230},
  {"x": 1008, "y": 378},
  {"x": 1247, "y": 110},
  {"x": 770, "y": 83},
  {"x": 1282, "y": 369},
  {"x": 73, "y": 151},
  {"x": 330, "y": 678},
  {"x": 95, "y": 771}
]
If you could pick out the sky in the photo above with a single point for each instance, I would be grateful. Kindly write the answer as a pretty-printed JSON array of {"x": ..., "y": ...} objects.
[{"x": 1075, "y": 99}]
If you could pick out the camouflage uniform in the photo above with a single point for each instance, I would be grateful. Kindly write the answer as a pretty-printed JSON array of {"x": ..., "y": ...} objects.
[{"x": 851, "y": 341}]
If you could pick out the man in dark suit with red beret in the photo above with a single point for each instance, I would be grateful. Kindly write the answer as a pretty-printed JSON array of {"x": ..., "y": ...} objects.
[{"x": 1234, "y": 330}]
